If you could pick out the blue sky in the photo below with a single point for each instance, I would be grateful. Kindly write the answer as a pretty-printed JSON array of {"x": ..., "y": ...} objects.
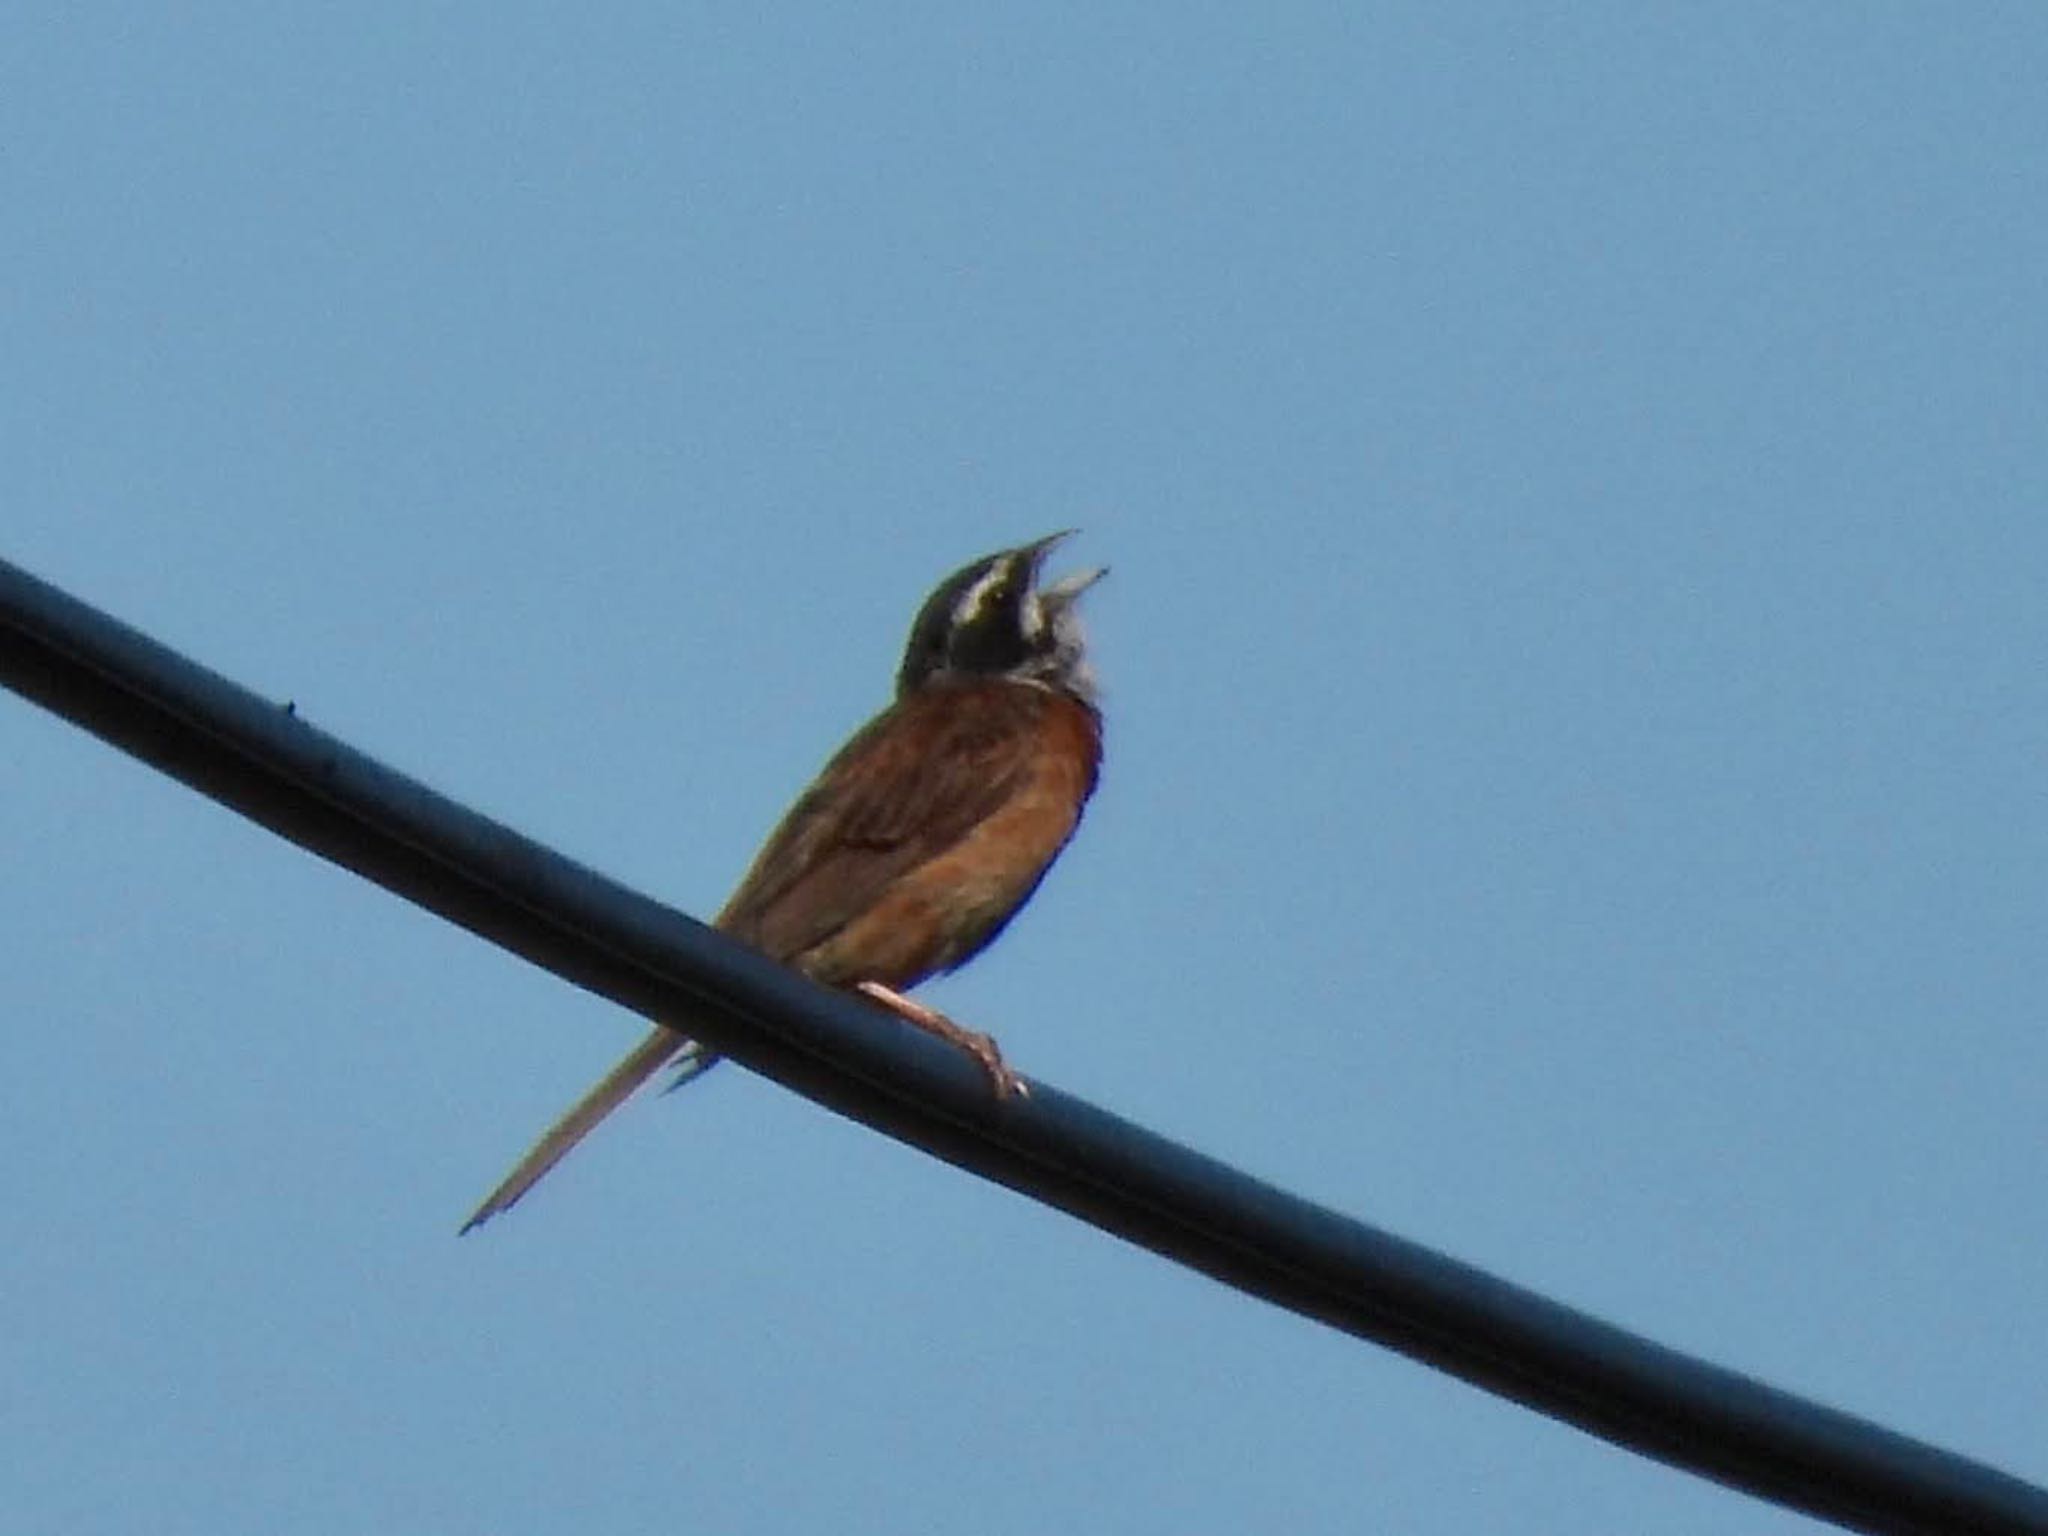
[{"x": 1576, "y": 678}]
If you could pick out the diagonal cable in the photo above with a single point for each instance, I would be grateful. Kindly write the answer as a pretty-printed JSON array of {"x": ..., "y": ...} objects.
[{"x": 257, "y": 757}]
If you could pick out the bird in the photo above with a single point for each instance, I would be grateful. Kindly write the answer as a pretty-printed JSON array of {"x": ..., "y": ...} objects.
[{"x": 922, "y": 836}]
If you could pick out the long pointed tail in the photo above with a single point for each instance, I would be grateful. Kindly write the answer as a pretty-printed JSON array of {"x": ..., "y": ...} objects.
[{"x": 644, "y": 1060}]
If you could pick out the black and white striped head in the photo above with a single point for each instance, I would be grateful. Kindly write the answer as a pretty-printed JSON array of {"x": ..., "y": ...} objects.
[{"x": 992, "y": 619}]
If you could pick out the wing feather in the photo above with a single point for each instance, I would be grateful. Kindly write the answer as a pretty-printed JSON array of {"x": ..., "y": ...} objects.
[{"x": 911, "y": 784}]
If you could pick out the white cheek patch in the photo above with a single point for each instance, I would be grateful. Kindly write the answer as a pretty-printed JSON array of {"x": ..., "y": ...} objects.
[{"x": 974, "y": 601}]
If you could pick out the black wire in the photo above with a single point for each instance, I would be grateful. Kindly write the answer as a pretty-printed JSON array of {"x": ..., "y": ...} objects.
[{"x": 259, "y": 758}]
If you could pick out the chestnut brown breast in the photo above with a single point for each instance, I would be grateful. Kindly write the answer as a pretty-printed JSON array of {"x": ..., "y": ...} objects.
[{"x": 924, "y": 835}]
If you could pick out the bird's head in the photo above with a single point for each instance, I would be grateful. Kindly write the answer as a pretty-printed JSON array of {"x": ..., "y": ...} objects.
[{"x": 991, "y": 618}]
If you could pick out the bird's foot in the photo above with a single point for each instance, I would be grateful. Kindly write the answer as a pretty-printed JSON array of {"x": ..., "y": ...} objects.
[{"x": 982, "y": 1048}]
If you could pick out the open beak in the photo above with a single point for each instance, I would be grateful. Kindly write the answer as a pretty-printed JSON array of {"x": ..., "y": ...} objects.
[{"x": 1068, "y": 587}]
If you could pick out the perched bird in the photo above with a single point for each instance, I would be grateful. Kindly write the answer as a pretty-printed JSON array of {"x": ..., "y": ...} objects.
[{"x": 923, "y": 836}]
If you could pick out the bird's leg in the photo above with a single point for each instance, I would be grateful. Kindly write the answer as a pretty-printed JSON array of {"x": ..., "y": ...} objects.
[{"x": 981, "y": 1047}]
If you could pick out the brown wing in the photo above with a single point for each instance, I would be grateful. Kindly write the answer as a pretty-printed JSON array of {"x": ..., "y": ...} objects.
[
  {"x": 912, "y": 849},
  {"x": 911, "y": 786}
]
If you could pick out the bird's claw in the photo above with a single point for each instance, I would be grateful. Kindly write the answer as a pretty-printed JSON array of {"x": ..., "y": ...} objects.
[{"x": 983, "y": 1048}]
